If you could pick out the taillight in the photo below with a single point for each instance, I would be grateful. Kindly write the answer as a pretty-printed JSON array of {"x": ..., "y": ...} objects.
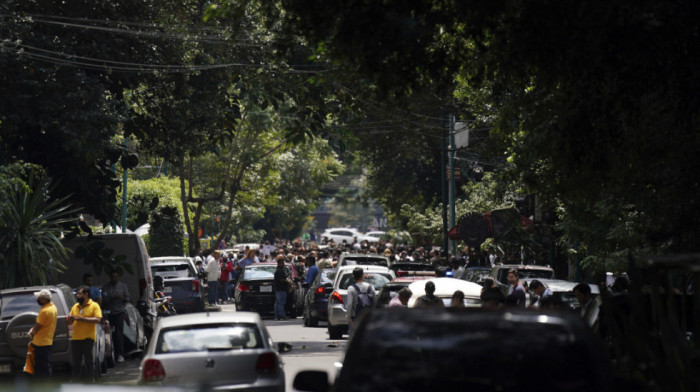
[
  {"x": 153, "y": 371},
  {"x": 267, "y": 363},
  {"x": 336, "y": 298},
  {"x": 321, "y": 290},
  {"x": 243, "y": 287},
  {"x": 401, "y": 273},
  {"x": 195, "y": 285}
]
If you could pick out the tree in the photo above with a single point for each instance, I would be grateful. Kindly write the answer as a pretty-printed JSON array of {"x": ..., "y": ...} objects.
[
  {"x": 31, "y": 225},
  {"x": 60, "y": 91},
  {"x": 167, "y": 234}
]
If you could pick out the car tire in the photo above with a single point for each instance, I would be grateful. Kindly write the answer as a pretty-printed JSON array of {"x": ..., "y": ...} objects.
[
  {"x": 313, "y": 321},
  {"x": 334, "y": 332}
]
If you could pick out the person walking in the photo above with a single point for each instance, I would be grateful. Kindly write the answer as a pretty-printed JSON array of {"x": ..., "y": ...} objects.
[
  {"x": 213, "y": 270},
  {"x": 281, "y": 289},
  {"x": 360, "y": 297},
  {"x": 541, "y": 293},
  {"x": 115, "y": 296},
  {"x": 85, "y": 315},
  {"x": 516, "y": 291},
  {"x": 42, "y": 334}
]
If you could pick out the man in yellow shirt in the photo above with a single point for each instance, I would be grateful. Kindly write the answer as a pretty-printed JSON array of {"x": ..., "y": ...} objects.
[
  {"x": 42, "y": 334},
  {"x": 85, "y": 315}
]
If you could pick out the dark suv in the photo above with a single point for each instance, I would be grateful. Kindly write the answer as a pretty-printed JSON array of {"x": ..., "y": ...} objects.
[
  {"x": 468, "y": 350},
  {"x": 18, "y": 311}
]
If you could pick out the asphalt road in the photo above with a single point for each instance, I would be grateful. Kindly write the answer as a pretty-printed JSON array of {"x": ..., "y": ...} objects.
[{"x": 311, "y": 350}]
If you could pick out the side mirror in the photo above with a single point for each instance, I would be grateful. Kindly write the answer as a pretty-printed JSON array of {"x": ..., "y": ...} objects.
[
  {"x": 284, "y": 347},
  {"x": 311, "y": 380}
]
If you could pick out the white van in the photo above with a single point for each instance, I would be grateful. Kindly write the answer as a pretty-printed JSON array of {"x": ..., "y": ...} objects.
[{"x": 98, "y": 253}]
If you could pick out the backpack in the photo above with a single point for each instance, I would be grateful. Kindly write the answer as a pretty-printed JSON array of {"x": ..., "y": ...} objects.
[{"x": 364, "y": 302}]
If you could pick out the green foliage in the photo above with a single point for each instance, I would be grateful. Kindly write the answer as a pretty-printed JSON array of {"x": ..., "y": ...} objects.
[
  {"x": 167, "y": 234},
  {"x": 144, "y": 196},
  {"x": 31, "y": 225},
  {"x": 480, "y": 197}
]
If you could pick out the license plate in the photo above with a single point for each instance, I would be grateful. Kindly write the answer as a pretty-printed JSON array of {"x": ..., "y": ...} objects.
[
  {"x": 167, "y": 290},
  {"x": 6, "y": 368},
  {"x": 265, "y": 289}
]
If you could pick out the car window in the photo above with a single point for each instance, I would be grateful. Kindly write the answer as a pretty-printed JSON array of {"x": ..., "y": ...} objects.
[
  {"x": 375, "y": 279},
  {"x": 424, "y": 355},
  {"x": 264, "y": 272},
  {"x": 525, "y": 274},
  {"x": 219, "y": 337},
  {"x": 172, "y": 271},
  {"x": 327, "y": 276},
  {"x": 14, "y": 304}
]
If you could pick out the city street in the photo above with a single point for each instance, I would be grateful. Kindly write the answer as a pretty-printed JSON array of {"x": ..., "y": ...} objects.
[{"x": 311, "y": 349}]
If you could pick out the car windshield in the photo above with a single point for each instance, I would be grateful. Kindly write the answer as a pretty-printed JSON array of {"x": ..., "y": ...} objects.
[
  {"x": 172, "y": 271},
  {"x": 364, "y": 260},
  {"x": 327, "y": 276},
  {"x": 188, "y": 338},
  {"x": 375, "y": 279},
  {"x": 526, "y": 274},
  {"x": 263, "y": 272},
  {"x": 14, "y": 304},
  {"x": 439, "y": 355}
]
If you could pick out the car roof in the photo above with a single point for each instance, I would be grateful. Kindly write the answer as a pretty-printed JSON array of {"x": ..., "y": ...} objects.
[
  {"x": 559, "y": 285},
  {"x": 208, "y": 318},
  {"x": 166, "y": 263},
  {"x": 163, "y": 259},
  {"x": 445, "y": 287},
  {"x": 367, "y": 268},
  {"x": 26, "y": 289},
  {"x": 523, "y": 267}
]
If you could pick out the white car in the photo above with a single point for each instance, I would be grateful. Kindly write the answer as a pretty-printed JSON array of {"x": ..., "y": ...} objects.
[
  {"x": 374, "y": 236},
  {"x": 445, "y": 288},
  {"x": 340, "y": 235},
  {"x": 213, "y": 351},
  {"x": 337, "y": 314},
  {"x": 171, "y": 259}
]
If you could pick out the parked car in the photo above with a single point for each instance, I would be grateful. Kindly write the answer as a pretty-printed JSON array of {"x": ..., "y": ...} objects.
[
  {"x": 476, "y": 274},
  {"x": 445, "y": 288},
  {"x": 170, "y": 259},
  {"x": 213, "y": 351},
  {"x": 362, "y": 259},
  {"x": 525, "y": 272},
  {"x": 255, "y": 291},
  {"x": 18, "y": 312},
  {"x": 337, "y": 320},
  {"x": 374, "y": 236},
  {"x": 340, "y": 235},
  {"x": 402, "y": 349},
  {"x": 180, "y": 282},
  {"x": 316, "y": 298}
]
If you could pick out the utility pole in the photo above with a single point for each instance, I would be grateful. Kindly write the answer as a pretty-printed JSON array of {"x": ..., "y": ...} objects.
[
  {"x": 126, "y": 176},
  {"x": 443, "y": 176},
  {"x": 452, "y": 149}
]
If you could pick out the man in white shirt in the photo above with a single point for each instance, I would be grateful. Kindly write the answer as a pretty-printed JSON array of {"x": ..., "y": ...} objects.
[{"x": 213, "y": 271}]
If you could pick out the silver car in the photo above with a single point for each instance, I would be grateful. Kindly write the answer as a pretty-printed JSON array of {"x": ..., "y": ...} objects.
[
  {"x": 221, "y": 351},
  {"x": 337, "y": 314}
]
